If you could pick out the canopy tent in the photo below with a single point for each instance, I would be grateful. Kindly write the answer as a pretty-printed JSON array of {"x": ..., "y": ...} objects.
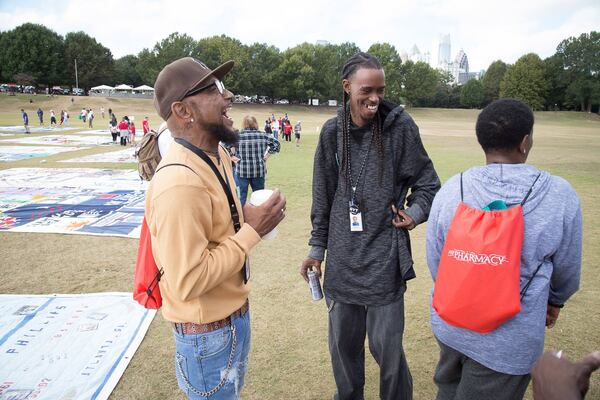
[
  {"x": 144, "y": 88},
  {"x": 123, "y": 87},
  {"x": 102, "y": 87}
]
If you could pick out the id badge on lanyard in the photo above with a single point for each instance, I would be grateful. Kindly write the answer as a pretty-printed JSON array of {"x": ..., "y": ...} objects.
[{"x": 356, "y": 224}]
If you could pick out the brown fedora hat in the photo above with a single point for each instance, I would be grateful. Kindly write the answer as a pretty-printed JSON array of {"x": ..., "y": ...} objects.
[{"x": 181, "y": 77}]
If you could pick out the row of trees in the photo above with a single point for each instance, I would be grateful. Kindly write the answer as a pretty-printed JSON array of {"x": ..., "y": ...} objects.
[{"x": 569, "y": 79}]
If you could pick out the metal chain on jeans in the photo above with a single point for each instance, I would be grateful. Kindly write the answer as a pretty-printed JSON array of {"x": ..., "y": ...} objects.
[{"x": 223, "y": 380}]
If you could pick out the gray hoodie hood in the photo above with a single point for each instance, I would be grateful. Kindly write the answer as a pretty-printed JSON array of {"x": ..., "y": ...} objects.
[{"x": 508, "y": 182}]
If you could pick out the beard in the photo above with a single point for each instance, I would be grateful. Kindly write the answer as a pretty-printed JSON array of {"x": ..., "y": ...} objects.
[{"x": 225, "y": 135}]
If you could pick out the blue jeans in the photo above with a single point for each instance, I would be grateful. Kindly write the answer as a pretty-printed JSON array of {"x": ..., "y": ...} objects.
[
  {"x": 257, "y": 183},
  {"x": 201, "y": 361}
]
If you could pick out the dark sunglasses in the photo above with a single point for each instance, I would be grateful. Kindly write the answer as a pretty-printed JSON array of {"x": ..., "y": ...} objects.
[{"x": 216, "y": 82}]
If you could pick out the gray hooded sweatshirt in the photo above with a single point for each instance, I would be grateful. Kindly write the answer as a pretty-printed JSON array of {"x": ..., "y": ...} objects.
[
  {"x": 552, "y": 238},
  {"x": 370, "y": 267}
]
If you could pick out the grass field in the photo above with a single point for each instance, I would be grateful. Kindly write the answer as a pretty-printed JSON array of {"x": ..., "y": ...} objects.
[{"x": 289, "y": 358}]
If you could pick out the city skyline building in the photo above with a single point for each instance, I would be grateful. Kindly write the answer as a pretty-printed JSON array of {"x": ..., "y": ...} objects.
[
  {"x": 444, "y": 51},
  {"x": 460, "y": 67},
  {"x": 416, "y": 55}
]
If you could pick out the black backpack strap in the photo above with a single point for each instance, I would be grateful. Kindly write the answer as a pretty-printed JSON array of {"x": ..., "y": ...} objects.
[
  {"x": 530, "y": 189},
  {"x": 526, "y": 287},
  {"x": 182, "y": 165},
  {"x": 235, "y": 216},
  {"x": 461, "y": 187}
]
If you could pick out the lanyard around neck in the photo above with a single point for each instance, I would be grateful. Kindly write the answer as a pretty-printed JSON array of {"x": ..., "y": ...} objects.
[
  {"x": 354, "y": 185},
  {"x": 235, "y": 216}
]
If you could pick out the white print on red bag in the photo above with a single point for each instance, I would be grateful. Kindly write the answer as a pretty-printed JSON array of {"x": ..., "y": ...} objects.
[{"x": 468, "y": 256}]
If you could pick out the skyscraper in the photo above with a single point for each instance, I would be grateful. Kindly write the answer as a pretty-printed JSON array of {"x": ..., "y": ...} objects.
[
  {"x": 460, "y": 68},
  {"x": 444, "y": 52}
]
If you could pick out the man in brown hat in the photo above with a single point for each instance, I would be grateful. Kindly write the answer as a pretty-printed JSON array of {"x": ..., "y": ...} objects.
[{"x": 200, "y": 236}]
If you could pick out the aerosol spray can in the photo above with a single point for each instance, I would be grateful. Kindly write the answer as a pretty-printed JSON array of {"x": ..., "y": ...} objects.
[{"x": 315, "y": 285}]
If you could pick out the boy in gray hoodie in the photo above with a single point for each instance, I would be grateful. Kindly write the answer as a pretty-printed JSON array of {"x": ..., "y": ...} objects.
[{"x": 496, "y": 365}]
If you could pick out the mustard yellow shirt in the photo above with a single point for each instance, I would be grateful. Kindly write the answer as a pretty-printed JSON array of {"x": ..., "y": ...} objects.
[{"x": 193, "y": 238}]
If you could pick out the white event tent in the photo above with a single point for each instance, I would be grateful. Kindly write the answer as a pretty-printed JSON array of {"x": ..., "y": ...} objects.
[
  {"x": 123, "y": 87},
  {"x": 102, "y": 89},
  {"x": 144, "y": 89}
]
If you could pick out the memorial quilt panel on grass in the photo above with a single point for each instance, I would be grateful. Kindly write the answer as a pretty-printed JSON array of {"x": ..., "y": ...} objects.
[
  {"x": 35, "y": 129},
  {"x": 69, "y": 201},
  {"x": 16, "y": 153},
  {"x": 121, "y": 156},
  {"x": 67, "y": 346},
  {"x": 61, "y": 140}
]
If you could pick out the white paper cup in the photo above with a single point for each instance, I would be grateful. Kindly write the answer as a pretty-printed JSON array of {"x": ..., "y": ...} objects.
[{"x": 256, "y": 199}]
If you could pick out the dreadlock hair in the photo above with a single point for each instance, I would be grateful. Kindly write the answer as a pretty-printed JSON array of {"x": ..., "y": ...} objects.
[{"x": 353, "y": 64}]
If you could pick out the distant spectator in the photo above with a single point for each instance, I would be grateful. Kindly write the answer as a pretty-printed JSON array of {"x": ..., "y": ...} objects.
[
  {"x": 62, "y": 117},
  {"x": 102, "y": 112},
  {"x": 114, "y": 129},
  {"x": 90, "y": 117},
  {"x": 25, "y": 121},
  {"x": 275, "y": 129},
  {"x": 253, "y": 150},
  {"x": 66, "y": 118},
  {"x": 297, "y": 132},
  {"x": 40, "y": 114},
  {"x": 280, "y": 121},
  {"x": 132, "y": 133},
  {"x": 83, "y": 115},
  {"x": 52, "y": 118},
  {"x": 124, "y": 131},
  {"x": 268, "y": 130},
  {"x": 287, "y": 131},
  {"x": 145, "y": 125}
]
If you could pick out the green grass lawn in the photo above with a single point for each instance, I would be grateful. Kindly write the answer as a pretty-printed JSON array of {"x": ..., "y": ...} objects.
[{"x": 289, "y": 358}]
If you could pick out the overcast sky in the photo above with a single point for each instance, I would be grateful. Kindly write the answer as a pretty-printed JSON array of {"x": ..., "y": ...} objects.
[{"x": 486, "y": 30}]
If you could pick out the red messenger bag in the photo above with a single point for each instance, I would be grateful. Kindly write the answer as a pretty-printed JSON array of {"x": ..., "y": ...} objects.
[{"x": 478, "y": 280}]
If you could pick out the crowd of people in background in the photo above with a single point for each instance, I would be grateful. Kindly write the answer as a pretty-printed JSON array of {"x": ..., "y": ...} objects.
[
  {"x": 64, "y": 118},
  {"x": 124, "y": 130},
  {"x": 283, "y": 124}
]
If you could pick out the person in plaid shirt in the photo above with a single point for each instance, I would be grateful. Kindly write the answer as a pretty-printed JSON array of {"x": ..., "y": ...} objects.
[{"x": 250, "y": 155}]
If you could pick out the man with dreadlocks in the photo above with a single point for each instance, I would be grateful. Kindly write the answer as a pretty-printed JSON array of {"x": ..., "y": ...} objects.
[{"x": 367, "y": 160}]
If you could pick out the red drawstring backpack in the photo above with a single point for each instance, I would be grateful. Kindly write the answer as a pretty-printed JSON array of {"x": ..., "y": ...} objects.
[
  {"x": 478, "y": 279},
  {"x": 146, "y": 290},
  {"x": 147, "y": 275}
]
